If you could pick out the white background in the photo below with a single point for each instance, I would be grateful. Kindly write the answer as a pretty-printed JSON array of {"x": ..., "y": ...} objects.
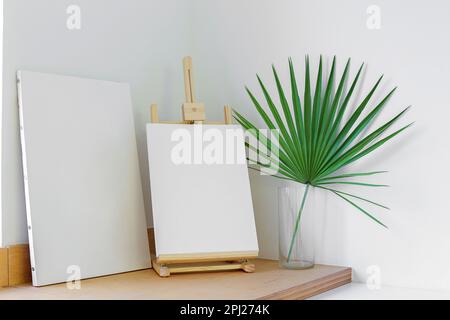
[
  {"x": 142, "y": 42},
  {"x": 245, "y": 37},
  {"x": 136, "y": 41}
]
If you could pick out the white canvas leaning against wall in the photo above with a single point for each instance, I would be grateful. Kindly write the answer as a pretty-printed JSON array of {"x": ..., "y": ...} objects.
[
  {"x": 200, "y": 205},
  {"x": 84, "y": 199}
]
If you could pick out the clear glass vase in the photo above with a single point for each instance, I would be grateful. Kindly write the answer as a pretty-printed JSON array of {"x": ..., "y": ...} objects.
[{"x": 297, "y": 225}]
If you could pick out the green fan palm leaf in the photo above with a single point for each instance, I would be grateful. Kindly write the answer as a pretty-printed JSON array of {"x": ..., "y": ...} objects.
[{"x": 313, "y": 140}]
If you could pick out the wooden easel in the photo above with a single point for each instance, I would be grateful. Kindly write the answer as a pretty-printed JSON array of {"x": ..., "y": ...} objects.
[{"x": 194, "y": 113}]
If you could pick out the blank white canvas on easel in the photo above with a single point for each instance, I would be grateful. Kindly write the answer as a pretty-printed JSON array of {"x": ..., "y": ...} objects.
[
  {"x": 199, "y": 208},
  {"x": 82, "y": 184}
]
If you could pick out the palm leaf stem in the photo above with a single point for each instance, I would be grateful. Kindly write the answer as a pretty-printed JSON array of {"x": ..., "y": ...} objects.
[{"x": 297, "y": 223}]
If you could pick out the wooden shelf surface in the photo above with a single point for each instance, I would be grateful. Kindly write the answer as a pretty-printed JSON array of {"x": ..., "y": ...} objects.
[{"x": 268, "y": 282}]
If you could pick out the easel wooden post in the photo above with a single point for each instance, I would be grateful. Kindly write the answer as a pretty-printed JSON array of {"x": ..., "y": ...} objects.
[{"x": 194, "y": 113}]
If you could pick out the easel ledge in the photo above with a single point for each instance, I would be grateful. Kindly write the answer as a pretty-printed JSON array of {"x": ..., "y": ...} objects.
[
  {"x": 208, "y": 262},
  {"x": 165, "y": 265},
  {"x": 228, "y": 117}
]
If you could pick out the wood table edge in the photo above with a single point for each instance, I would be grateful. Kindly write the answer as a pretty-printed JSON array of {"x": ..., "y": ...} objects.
[{"x": 313, "y": 287}]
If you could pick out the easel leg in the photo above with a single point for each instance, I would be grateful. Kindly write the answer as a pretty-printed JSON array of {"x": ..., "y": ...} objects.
[
  {"x": 164, "y": 270},
  {"x": 247, "y": 266},
  {"x": 161, "y": 269}
]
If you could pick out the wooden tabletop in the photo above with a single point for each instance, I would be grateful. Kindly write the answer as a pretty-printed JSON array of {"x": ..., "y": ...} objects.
[{"x": 268, "y": 282}]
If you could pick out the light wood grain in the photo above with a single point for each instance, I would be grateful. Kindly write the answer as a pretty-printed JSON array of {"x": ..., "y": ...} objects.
[
  {"x": 4, "y": 267},
  {"x": 151, "y": 240},
  {"x": 268, "y": 282},
  {"x": 193, "y": 112},
  {"x": 312, "y": 288},
  {"x": 293, "y": 284},
  {"x": 206, "y": 257},
  {"x": 190, "y": 122},
  {"x": 19, "y": 264},
  {"x": 154, "y": 118},
  {"x": 228, "y": 115},
  {"x": 161, "y": 269},
  {"x": 206, "y": 268},
  {"x": 165, "y": 270},
  {"x": 188, "y": 79}
]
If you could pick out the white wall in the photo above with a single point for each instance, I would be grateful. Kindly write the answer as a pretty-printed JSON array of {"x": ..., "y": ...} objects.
[
  {"x": 235, "y": 39},
  {"x": 136, "y": 41},
  {"x": 141, "y": 42}
]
